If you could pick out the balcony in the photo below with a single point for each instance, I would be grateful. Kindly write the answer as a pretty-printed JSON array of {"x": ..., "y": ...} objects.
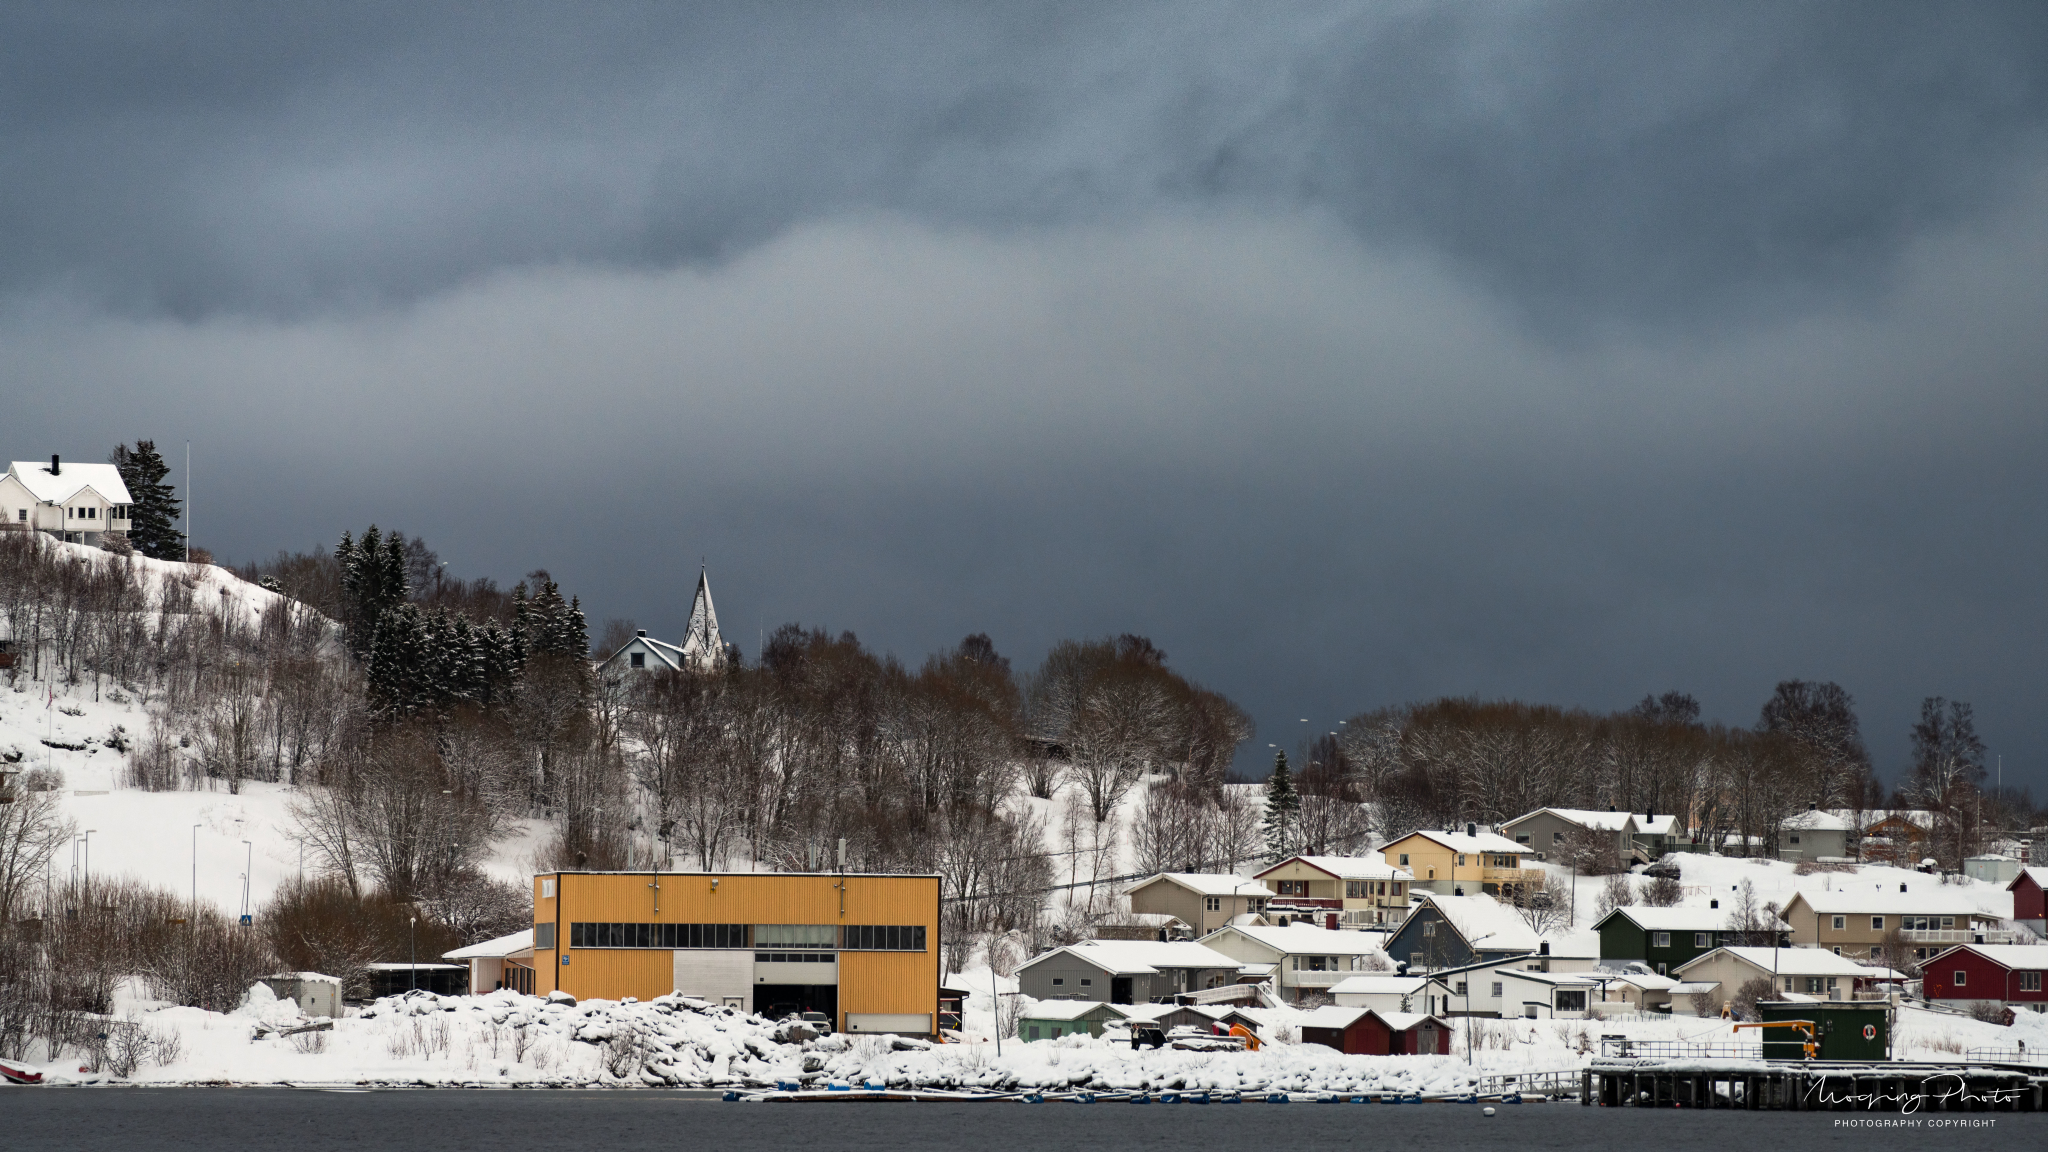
[
  {"x": 1527, "y": 877},
  {"x": 1303, "y": 904},
  {"x": 1305, "y": 979},
  {"x": 1958, "y": 936}
]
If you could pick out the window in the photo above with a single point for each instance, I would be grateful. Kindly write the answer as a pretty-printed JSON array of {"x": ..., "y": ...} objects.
[
  {"x": 638, "y": 659},
  {"x": 1962, "y": 978},
  {"x": 1429, "y": 927},
  {"x": 1571, "y": 1000},
  {"x": 1661, "y": 971},
  {"x": 1496, "y": 989},
  {"x": 1699, "y": 940},
  {"x": 1058, "y": 981},
  {"x": 1948, "y": 921},
  {"x": 1660, "y": 939},
  {"x": 1213, "y": 903},
  {"x": 796, "y": 937},
  {"x": 1033, "y": 1029},
  {"x": 1795, "y": 837},
  {"x": 1557, "y": 837},
  {"x": 1877, "y": 923},
  {"x": 1404, "y": 855},
  {"x": 1841, "y": 922},
  {"x": 1788, "y": 983},
  {"x": 1292, "y": 887},
  {"x": 1087, "y": 982},
  {"x": 610, "y": 935},
  {"x": 2030, "y": 981},
  {"x": 884, "y": 937},
  {"x": 1357, "y": 889},
  {"x": 1521, "y": 838},
  {"x": 547, "y": 888},
  {"x": 1461, "y": 859},
  {"x": 21, "y": 513},
  {"x": 1461, "y": 988},
  {"x": 544, "y": 935},
  {"x": 1432, "y": 873}
]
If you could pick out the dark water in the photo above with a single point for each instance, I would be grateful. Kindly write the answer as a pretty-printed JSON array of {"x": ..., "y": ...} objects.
[{"x": 226, "y": 1119}]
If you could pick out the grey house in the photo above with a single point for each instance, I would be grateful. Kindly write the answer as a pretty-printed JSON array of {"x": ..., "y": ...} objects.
[
  {"x": 1454, "y": 931},
  {"x": 1814, "y": 834},
  {"x": 1124, "y": 971}
]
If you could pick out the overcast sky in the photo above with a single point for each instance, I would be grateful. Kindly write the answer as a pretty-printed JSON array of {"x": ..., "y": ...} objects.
[{"x": 1355, "y": 353}]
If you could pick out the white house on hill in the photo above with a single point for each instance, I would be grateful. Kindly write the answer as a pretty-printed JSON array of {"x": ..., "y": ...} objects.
[
  {"x": 76, "y": 502},
  {"x": 701, "y": 650}
]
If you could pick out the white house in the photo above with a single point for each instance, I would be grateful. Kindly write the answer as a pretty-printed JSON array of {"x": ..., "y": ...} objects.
[
  {"x": 1305, "y": 960},
  {"x": 1381, "y": 993},
  {"x": 81, "y": 503},
  {"x": 701, "y": 650},
  {"x": 506, "y": 962}
]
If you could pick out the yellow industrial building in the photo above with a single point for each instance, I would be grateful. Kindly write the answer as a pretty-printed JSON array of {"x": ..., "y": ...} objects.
[{"x": 862, "y": 949}]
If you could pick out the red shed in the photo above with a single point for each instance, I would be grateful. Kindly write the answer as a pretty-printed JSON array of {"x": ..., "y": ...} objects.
[
  {"x": 2028, "y": 902},
  {"x": 1368, "y": 1032},
  {"x": 2001, "y": 973}
]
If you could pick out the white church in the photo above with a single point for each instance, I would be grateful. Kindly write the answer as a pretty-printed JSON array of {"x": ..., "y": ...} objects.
[{"x": 702, "y": 649}]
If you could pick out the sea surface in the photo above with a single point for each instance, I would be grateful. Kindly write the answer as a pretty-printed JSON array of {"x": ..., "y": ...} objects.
[{"x": 228, "y": 1119}]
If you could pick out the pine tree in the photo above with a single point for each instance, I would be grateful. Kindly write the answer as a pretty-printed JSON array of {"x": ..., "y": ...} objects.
[
  {"x": 153, "y": 517},
  {"x": 373, "y": 581},
  {"x": 1282, "y": 805}
]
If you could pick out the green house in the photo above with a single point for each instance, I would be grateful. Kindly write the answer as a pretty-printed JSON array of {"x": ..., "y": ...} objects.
[
  {"x": 1051, "y": 1019},
  {"x": 1664, "y": 938},
  {"x": 1844, "y": 1030}
]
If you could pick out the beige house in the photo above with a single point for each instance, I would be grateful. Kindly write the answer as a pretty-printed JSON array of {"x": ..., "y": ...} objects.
[
  {"x": 82, "y": 503},
  {"x": 1303, "y": 960},
  {"x": 1814, "y": 973},
  {"x": 1467, "y": 863},
  {"x": 1854, "y": 922},
  {"x": 1205, "y": 901},
  {"x": 1339, "y": 891}
]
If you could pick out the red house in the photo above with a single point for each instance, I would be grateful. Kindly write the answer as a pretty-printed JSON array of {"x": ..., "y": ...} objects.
[
  {"x": 1368, "y": 1032},
  {"x": 2028, "y": 902},
  {"x": 1988, "y": 973}
]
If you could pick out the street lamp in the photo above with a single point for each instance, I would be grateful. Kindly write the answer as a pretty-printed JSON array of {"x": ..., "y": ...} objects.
[
  {"x": 412, "y": 933},
  {"x": 88, "y": 859},
  {"x": 195, "y": 870},
  {"x": 248, "y": 868}
]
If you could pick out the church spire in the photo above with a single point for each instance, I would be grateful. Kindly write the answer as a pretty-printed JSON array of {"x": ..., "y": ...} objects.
[{"x": 702, "y": 645}]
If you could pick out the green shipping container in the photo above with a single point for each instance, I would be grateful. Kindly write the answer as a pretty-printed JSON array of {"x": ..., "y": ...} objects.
[{"x": 1848, "y": 1030}]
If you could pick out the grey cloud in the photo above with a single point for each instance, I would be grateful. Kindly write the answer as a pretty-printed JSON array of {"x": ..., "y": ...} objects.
[{"x": 1590, "y": 160}]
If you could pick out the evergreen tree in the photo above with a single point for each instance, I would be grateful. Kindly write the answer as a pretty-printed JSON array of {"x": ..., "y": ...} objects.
[
  {"x": 1282, "y": 805},
  {"x": 153, "y": 517},
  {"x": 373, "y": 581}
]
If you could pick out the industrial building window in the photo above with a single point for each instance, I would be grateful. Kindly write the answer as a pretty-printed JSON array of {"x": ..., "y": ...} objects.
[
  {"x": 544, "y": 934},
  {"x": 884, "y": 937},
  {"x": 603, "y": 935},
  {"x": 797, "y": 937},
  {"x": 794, "y": 957}
]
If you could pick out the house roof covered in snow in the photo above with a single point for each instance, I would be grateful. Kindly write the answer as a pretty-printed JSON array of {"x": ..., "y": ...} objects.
[
  {"x": 1303, "y": 939},
  {"x": 516, "y": 944},
  {"x": 1485, "y": 924},
  {"x": 2038, "y": 875},
  {"x": 1372, "y": 867},
  {"x": 1685, "y": 918},
  {"x": 1139, "y": 957},
  {"x": 1473, "y": 842},
  {"x": 1575, "y": 945},
  {"x": 1379, "y": 985},
  {"x": 1794, "y": 962},
  {"x": 2010, "y": 956},
  {"x": 1206, "y": 884},
  {"x": 1889, "y": 900},
  {"x": 1070, "y": 1009},
  {"x": 1817, "y": 820},
  {"x": 69, "y": 480}
]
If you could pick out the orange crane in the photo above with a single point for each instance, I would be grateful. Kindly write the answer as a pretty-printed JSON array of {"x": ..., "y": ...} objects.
[{"x": 1811, "y": 1046}]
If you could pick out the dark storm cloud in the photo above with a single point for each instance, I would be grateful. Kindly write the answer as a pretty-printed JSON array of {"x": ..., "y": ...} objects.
[
  {"x": 1354, "y": 353},
  {"x": 1647, "y": 160}
]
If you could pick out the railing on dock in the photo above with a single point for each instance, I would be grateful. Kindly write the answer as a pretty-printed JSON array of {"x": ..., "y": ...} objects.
[
  {"x": 1616, "y": 1047},
  {"x": 2006, "y": 1056},
  {"x": 1562, "y": 1083}
]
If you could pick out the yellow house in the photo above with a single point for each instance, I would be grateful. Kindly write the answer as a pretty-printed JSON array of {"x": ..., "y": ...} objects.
[
  {"x": 1471, "y": 861},
  {"x": 1338, "y": 891},
  {"x": 862, "y": 949}
]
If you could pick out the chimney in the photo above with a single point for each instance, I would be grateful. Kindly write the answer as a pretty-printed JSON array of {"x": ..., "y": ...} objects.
[
  {"x": 56, "y": 465},
  {"x": 1715, "y": 903},
  {"x": 1902, "y": 887},
  {"x": 642, "y": 633},
  {"x": 1471, "y": 829},
  {"x": 1543, "y": 948}
]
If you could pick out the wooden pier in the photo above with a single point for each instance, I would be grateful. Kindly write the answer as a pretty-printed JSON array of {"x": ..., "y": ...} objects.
[{"x": 1813, "y": 1085}]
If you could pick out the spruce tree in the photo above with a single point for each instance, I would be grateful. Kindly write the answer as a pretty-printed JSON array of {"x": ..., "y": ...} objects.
[
  {"x": 1282, "y": 804},
  {"x": 153, "y": 515}
]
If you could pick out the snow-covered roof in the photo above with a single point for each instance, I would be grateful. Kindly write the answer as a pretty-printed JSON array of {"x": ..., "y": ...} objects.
[
  {"x": 2037, "y": 875},
  {"x": 1333, "y": 1016},
  {"x": 104, "y": 479},
  {"x": 1068, "y": 1009},
  {"x": 1372, "y": 867},
  {"x": 305, "y": 976},
  {"x": 1379, "y": 985},
  {"x": 1583, "y": 817},
  {"x": 513, "y": 945},
  {"x": 1207, "y": 884},
  {"x": 1680, "y": 919},
  {"x": 1140, "y": 957},
  {"x": 1479, "y": 842},
  {"x": 1556, "y": 978},
  {"x": 1305, "y": 939},
  {"x": 1577, "y": 945},
  {"x": 402, "y": 967},
  {"x": 1889, "y": 900},
  {"x": 1485, "y": 923},
  {"x": 1816, "y": 820},
  {"x": 2010, "y": 956},
  {"x": 1795, "y": 962},
  {"x": 1649, "y": 981},
  {"x": 1402, "y": 1021},
  {"x": 1688, "y": 987}
]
